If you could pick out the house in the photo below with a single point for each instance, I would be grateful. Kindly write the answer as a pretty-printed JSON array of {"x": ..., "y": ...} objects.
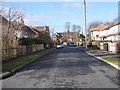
[
  {"x": 23, "y": 30},
  {"x": 26, "y": 32},
  {"x": 108, "y": 32},
  {"x": 66, "y": 36},
  {"x": 95, "y": 32},
  {"x": 42, "y": 32},
  {"x": 103, "y": 32},
  {"x": 13, "y": 31},
  {"x": 57, "y": 37},
  {"x": 112, "y": 32},
  {"x": 42, "y": 28}
]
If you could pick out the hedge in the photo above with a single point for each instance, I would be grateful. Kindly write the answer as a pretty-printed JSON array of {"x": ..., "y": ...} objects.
[{"x": 29, "y": 41}]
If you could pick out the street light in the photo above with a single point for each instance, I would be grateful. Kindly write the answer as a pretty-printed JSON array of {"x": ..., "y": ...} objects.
[{"x": 85, "y": 24}]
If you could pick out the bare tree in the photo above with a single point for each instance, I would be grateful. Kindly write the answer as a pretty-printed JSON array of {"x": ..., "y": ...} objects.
[
  {"x": 74, "y": 28},
  {"x": 13, "y": 17},
  {"x": 93, "y": 24},
  {"x": 76, "y": 31},
  {"x": 79, "y": 28},
  {"x": 68, "y": 25}
]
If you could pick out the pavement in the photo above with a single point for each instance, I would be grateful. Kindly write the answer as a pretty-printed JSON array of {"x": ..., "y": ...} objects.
[
  {"x": 67, "y": 67},
  {"x": 100, "y": 53}
]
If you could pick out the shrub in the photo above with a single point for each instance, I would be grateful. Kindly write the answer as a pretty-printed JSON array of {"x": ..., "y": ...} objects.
[
  {"x": 24, "y": 41},
  {"x": 38, "y": 41},
  {"x": 96, "y": 44},
  {"x": 78, "y": 39},
  {"x": 29, "y": 41}
]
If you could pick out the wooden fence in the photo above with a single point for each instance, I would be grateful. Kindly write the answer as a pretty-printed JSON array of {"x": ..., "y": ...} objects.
[{"x": 9, "y": 53}]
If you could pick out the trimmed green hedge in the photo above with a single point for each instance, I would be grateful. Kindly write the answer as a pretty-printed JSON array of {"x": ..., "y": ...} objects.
[
  {"x": 96, "y": 44},
  {"x": 78, "y": 39}
]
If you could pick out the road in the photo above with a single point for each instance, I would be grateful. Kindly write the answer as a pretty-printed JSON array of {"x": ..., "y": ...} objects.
[{"x": 68, "y": 67}]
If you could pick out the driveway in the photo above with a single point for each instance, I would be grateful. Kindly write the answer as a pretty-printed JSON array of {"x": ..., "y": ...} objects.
[{"x": 68, "y": 67}]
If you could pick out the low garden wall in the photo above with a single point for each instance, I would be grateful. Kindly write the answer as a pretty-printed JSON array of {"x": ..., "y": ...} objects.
[{"x": 112, "y": 46}]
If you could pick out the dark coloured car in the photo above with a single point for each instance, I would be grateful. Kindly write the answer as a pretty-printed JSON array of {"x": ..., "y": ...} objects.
[{"x": 72, "y": 44}]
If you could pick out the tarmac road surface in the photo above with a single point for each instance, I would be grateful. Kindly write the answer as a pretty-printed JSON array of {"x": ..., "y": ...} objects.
[{"x": 67, "y": 67}]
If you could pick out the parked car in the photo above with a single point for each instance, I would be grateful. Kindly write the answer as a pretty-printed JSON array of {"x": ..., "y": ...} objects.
[
  {"x": 72, "y": 44},
  {"x": 59, "y": 45},
  {"x": 89, "y": 45}
]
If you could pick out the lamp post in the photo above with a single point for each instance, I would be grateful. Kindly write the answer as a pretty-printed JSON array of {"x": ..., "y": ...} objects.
[{"x": 85, "y": 24}]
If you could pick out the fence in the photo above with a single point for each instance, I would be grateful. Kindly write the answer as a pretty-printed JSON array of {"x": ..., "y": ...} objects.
[{"x": 9, "y": 53}]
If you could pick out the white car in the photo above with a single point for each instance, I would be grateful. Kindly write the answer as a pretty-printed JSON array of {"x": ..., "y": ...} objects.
[{"x": 59, "y": 45}]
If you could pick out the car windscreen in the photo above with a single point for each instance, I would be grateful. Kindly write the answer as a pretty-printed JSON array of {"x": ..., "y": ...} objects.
[
  {"x": 72, "y": 43},
  {"x": 59, "y": 44}
]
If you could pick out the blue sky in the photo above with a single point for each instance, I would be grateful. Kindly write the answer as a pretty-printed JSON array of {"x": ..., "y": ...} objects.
[{"x": 56, "y": 14}]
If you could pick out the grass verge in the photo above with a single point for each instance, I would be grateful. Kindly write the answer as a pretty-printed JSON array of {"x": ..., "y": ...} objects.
[
  {"x": 80, "y": 46},
  {"x": 90, "y": 50},
  {"x": 112, "y": 59},
  {"x": 24, "y": 60}
]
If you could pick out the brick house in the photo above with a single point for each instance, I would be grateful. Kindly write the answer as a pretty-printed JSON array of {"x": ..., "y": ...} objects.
[
  {"x": 42, "y": 32},
  {"x": 66, "y": 36}
]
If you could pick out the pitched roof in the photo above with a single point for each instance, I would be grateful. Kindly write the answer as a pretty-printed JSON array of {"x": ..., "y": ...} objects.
[
  {"x": 111, "y": 25},
  {"x": 98, "y": 28},
  {"x": 103, "y": 27},
  {"x": 106, "y": 26}
]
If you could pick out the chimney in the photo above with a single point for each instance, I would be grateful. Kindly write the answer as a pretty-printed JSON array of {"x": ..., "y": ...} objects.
[
  {"x": 22, "y": 21},
  {"x": 107, "y": 24}
]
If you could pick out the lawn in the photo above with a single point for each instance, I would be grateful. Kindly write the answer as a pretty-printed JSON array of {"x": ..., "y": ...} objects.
[
  {"x": 112, "y": 59},
  {"x": 89, "y": 50},
  {"x": 24, "y": 60}
]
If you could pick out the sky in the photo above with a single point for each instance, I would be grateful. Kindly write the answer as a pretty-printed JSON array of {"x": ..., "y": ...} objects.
[{"x": 56, "y": 14}]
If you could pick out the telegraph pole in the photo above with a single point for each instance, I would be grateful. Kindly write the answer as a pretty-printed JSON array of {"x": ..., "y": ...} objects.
[{"x": 85, "y": 24}]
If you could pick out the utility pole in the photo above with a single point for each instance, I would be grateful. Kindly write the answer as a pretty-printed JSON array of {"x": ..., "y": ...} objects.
[{"x": 85, "y": 24}]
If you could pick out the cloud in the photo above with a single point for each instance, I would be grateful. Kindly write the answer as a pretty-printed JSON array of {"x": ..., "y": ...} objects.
[
  {"x": 37, "y": 19},
  {"x": 34, "y": 19}
]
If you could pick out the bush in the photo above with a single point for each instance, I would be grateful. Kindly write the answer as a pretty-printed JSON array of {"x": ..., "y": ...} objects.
[
  {"x": 25, "y": 41},
  {"x": 78, "y": 39},
  {"x": 29, "y": 41},
  {"x": 38, "y": 41},
  {"x": 96, "y": 44}
]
